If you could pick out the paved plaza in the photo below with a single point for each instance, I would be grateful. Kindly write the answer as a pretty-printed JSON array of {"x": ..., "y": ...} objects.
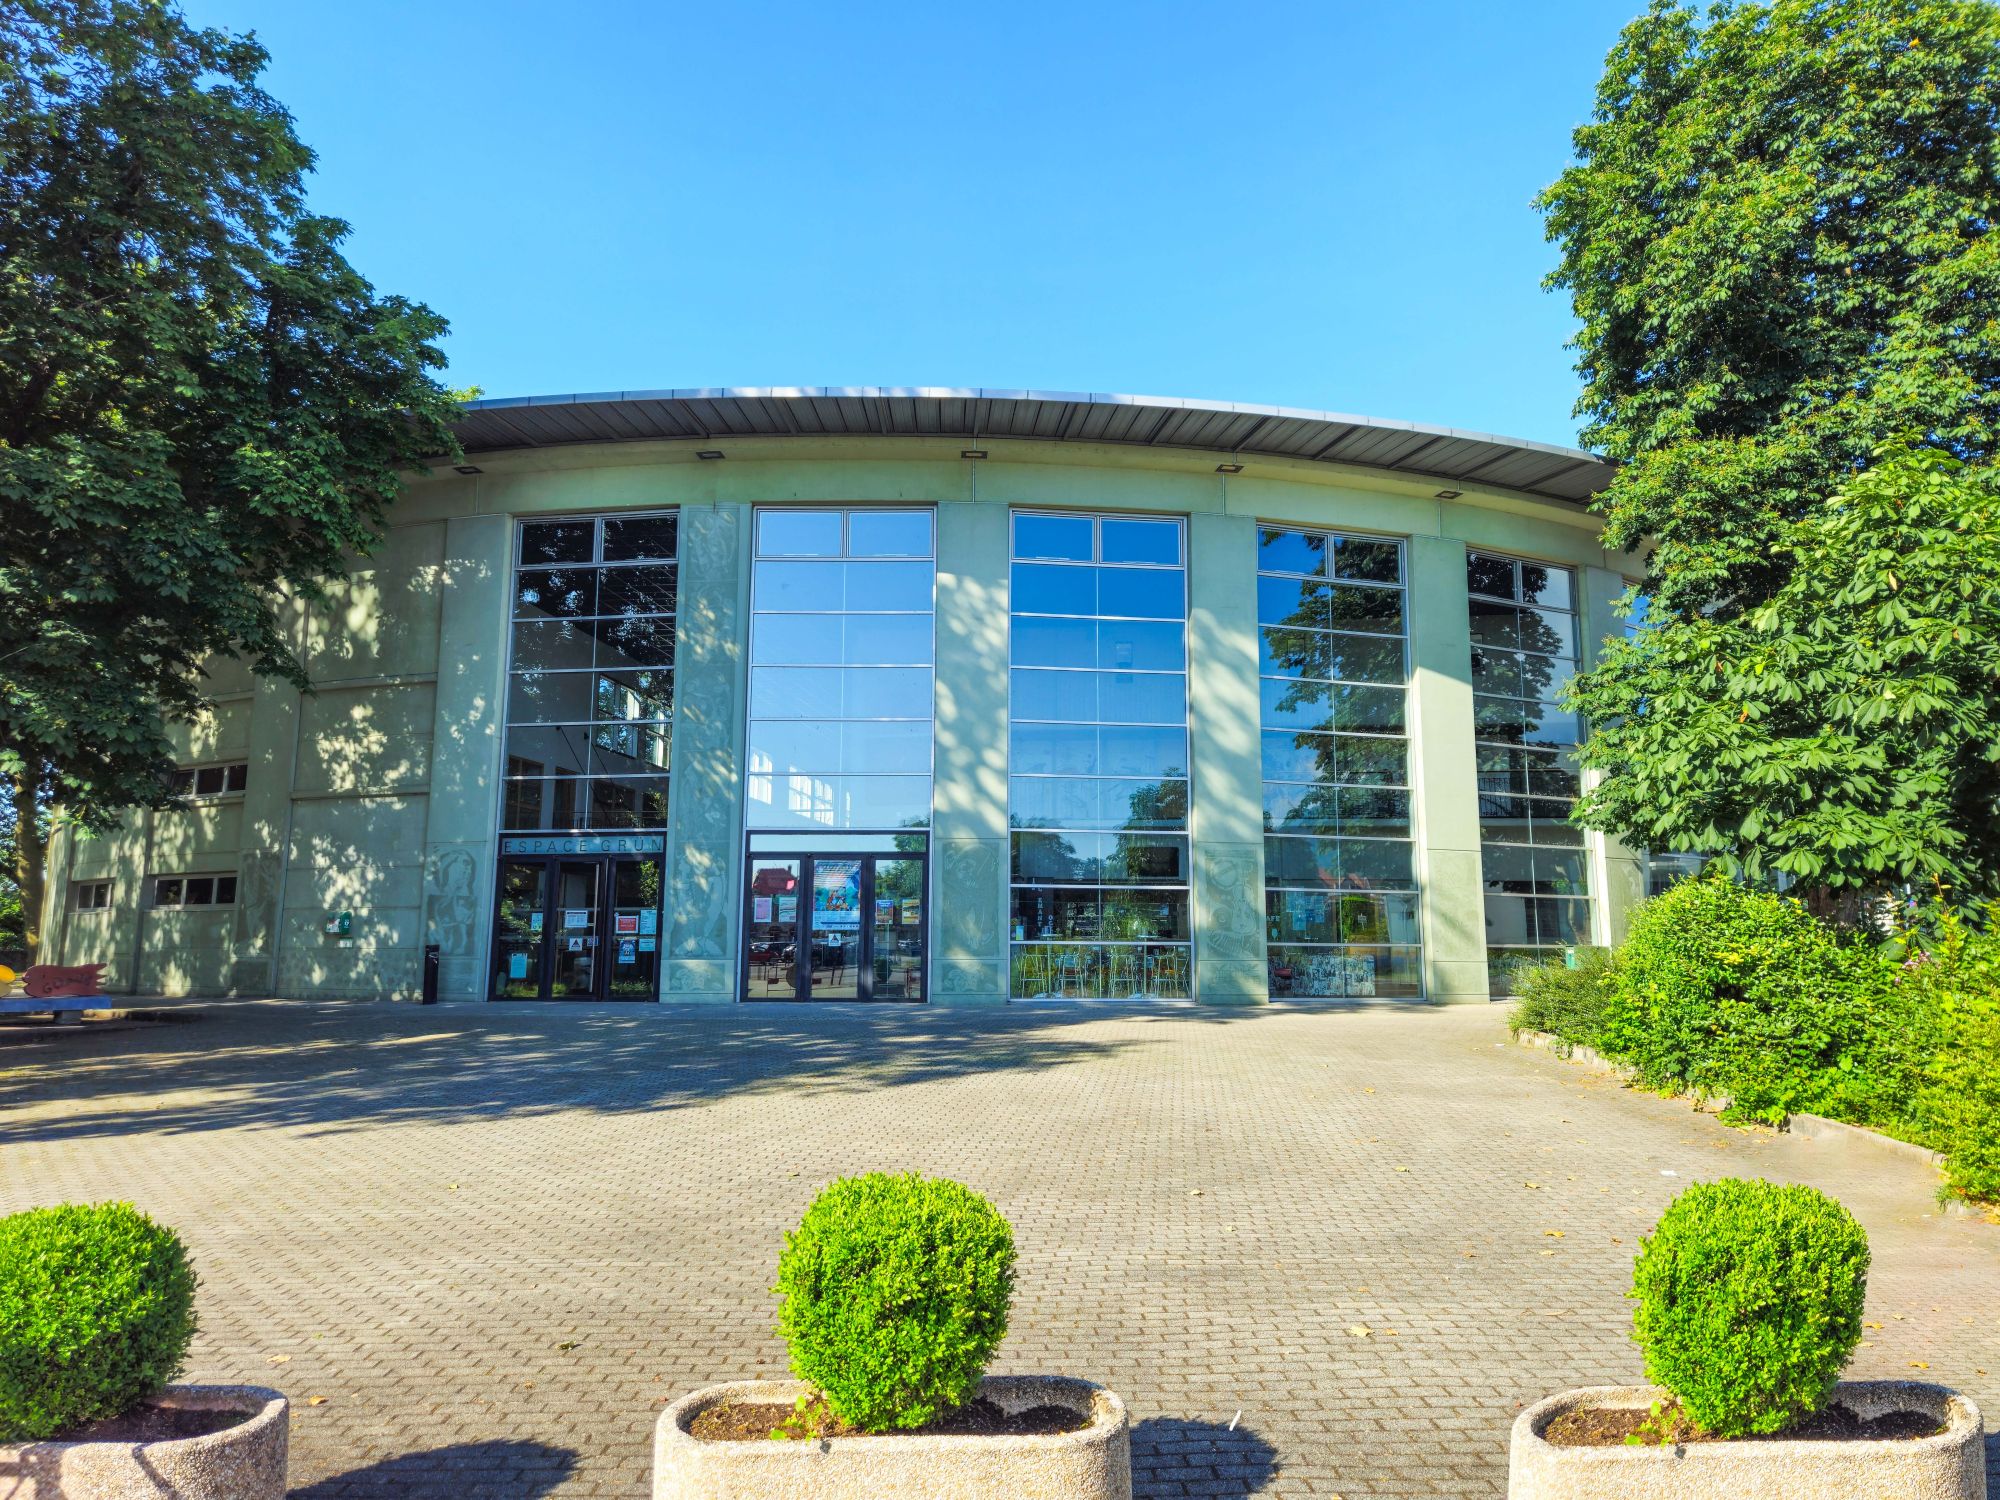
[{"x": 1318, "y": 1253}]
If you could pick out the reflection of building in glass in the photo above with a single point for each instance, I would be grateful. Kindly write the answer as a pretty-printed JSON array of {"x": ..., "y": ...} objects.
[
  {"x": 1534, "y": 861},
  {"x": 1097, "y": 790},
  {"x": 1340, "y": 884}
]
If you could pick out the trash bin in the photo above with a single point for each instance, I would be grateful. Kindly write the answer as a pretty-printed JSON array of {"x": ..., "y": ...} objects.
[{"x": 430, "y": 974}]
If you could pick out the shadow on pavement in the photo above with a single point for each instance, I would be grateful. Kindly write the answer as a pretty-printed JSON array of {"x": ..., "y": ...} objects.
[
  {"x": 332, "y": 1066},
  {"x": 1177, "y": 1456},
  {"x": 494, "y": 1470}
]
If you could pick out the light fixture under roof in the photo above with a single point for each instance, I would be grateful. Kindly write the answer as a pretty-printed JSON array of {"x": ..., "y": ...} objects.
[
  {"x": 708, "y": 453},
  {"x": 972, "y": 453},
  {"x": 467, "y": 469},
  {"x": 1449, "y": 494},
  {"x": 1229, "y": 468}
]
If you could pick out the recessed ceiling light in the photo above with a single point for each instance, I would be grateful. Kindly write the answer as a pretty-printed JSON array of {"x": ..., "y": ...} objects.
[
  {"x": 972, "y": 453},
  {"x": 708, "y": 453},
  {"x": 1229, "y": 468},
  {"x": 1449, "y": 494},
  {"x": 468, "y": 469}
]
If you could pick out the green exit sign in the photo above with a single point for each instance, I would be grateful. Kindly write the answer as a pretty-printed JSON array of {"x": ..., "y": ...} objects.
[{"x": 340, "y": 925}]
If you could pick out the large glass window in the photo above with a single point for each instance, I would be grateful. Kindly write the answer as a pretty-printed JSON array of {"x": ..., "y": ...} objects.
[
  {"x": 590, "y": 696},
  {"x": 1535, "y": 866},
  {"x": 1340, "y": 889},
  {"x": 841, "y": 644},
  {"x": 1097, "y": 786}
]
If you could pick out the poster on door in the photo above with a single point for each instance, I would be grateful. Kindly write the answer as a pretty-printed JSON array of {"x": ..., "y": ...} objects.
[{"x": 836, "y": 894}]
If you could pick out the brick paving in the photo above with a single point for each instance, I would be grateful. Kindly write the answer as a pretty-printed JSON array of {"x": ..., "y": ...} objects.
[{"x": 490, "y": 1242}]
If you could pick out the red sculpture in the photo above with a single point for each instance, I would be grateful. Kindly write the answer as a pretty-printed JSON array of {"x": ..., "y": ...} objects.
[{"x": 52, "y": 982}]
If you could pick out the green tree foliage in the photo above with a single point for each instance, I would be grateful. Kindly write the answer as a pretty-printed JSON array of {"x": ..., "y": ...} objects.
[
  {"x": 1777, "y": 235},
  {"x": 96, "y": 1314},
  {"x": 1846, "y": 731},
  {"x": 203, "y": 407},
  {"x": 1750, "y": 1298},
  {"x": 895, "y": 1294}
]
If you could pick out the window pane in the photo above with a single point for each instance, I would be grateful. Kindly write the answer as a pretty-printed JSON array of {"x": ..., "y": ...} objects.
[
  {"x": 1148, "y": 593},
  {"x": 208, "y": 781},
  {"x": 1301, "y": 809},
  {"x": 1047, "y": 641},
  {"x": 798, "y": 533},
  {"x": 1041, "y": 589},
  {"x": 1377, "y": 864},
  {"x": 1141, "y": 541},
  {"x": 637, "y": 538},
  {"x": 635, "y": 641},
  {"x": 1299, "y": 705},
  {"x": 1548, "y": 632},
  {"x": 556, "y": 542},
  {"x": 795, "y": 692},
  {"x": 1357, "y": 558},
  {"x": 887, "y": 693},
  {"x": 1142, "y": 645},
  {"x": 564, "y": 592},
  {"x": 1489, "y": 575},
  {"x": 1142, "y": 697},
  {"x": 239, "y": 777},
  {"x": 886, "y": 746},
  {"x": 887, "y": 640},
  {"x": 636, "y": 591},
  {"x": 799, "y": 585},
  {"x": 889, "y": 533},
  {"x": 900, "y": 586},
  {"x": 1291, "y": 552},
  {"x": 1374, "y": 812},
  {"x": 1495, "y": 625},
  {"x": 1052, "y": 749},
  {"x": 1358, "y": 607},
  {"x": 1545, "y": 585},
  {"x": 628, "y": 802},
  {"x": 166, "y": 893},
  {"x": 535, "y": 750},
  {"x": 629, "y": 749},
  {"x": 1058, "y": 537},
  {"x": 633, "y": 695},
  {"x": 1298, "y": 602},
  {"x": 1292, "y": 756},
  {"x": 201, "y": 891},
  {"x": 549, "y": 697},
  {"x": 1150, "y": 751}
]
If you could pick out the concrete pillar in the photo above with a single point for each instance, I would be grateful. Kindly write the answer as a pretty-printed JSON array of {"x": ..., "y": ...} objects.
[
  {"x": 705, "y": 832},
  {"x": 261, "y": 863},
  {"x": 969, "y": 849},
  {"x": 1443, "y": 773},
  {"x": 1616, "y": 867},
  {"x": 1227, "y": 817},
  {"x": 466, "y": 748}
]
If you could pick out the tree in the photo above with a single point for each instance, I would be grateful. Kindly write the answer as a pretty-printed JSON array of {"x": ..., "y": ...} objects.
[
  {"x": 204, "y": 409},
  {"x": 1845, "y": 732},
  {"x": 1777, "y": 236}
]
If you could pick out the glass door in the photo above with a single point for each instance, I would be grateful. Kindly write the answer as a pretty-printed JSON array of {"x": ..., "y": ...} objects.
[
  {"x": 632, "y": 967},
  {"x": 834, "y": 927},
  {"x": 577, "y": 969},
  {"x": 520, "y": 931}
]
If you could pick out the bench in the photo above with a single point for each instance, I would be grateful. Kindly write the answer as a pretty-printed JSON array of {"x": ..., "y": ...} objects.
[{"x": 51, "y": 989}]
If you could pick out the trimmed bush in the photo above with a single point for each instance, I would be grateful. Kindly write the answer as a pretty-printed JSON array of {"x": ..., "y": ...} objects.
[
  {"x": 1723, "y": 989},
  {"x": 96, "y": 1314},
  {"x": 1568, "y": 1003},
  {"x": 895, "y": 1294},
  {"x": 1750, "y": 1299}
]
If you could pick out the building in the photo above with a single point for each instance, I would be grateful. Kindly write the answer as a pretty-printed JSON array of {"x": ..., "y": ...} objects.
[{"x": 900, "y": 695}]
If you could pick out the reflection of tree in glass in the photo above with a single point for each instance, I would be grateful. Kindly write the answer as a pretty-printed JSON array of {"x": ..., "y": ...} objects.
[
  {"x": 1157, "y": 804},
  {"x": 898, "y": 879},
  {"x": 1315, "y": 811}
]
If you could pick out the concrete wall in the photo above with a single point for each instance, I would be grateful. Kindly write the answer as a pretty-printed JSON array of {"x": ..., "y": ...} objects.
[{"x": 378, "y": 792}]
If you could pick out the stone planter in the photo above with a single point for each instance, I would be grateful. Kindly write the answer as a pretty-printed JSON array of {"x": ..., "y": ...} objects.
[
  {"x": 243, "y": 1462},
  {"x": 1092, "y": 1463},
  {"x": 1949, "y": 1466}
]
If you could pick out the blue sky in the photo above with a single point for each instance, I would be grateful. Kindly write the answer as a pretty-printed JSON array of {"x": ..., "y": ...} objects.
[{"x": 1317, "y": 205}]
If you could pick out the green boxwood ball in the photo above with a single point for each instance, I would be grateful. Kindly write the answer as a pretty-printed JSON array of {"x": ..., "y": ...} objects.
[
  {"x": 1750, "y": 1298},
  {"x": 894, "y": 1296},
  {"x": 96, "y": 1314}
]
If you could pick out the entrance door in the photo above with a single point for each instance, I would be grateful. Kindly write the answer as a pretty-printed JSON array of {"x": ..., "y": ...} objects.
[
  {"x": 578, "y": 929},
  {"x": 834, "y": 927}
]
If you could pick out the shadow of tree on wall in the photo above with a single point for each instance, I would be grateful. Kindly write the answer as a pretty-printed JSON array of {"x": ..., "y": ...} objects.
[
  {"x": 493, "y": 1470},
  {"x": 1178, "y": 1456},
  {"x": 332, "y": 1066}
]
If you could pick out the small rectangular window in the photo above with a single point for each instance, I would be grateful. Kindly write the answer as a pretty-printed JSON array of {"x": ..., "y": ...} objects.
[
  {"x": 239, "y": 776},
  {"x": 175, "y": 891},
  {"x": 200, "y": 891},
  {"x": 167, "y": 892},
  {"x": 92, "y": 895},
  {"x": 225, "y": 890},
  {"x": 210, "y": 781}
]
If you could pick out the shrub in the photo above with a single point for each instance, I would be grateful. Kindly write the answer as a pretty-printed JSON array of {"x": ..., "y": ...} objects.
[
  {"x": 1955, "y": 983},
  {"x": 96, "y": 1314},
  {"x": 1722, "y": 989},
  {"x": 895, "y": 1294},
  {"x": 1750, "y": 1301},
  {"x": 1568, "y": 1003}
]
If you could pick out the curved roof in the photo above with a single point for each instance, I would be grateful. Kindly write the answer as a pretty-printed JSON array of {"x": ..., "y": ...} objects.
[{"x": 1238, "y": 431}]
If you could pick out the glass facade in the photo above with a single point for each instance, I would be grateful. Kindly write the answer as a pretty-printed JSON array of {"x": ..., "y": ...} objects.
[
  {"x": 841, "y": 651},
  {"x": 1097, "y": 787},
  {"x": 1535, "y": 866},
  {"x": 1340, "y": 889},
  {"x": 590, "y": 693}
]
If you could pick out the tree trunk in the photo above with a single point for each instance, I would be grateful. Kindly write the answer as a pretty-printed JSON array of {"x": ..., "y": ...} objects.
[{"x": 31, "y": 861}]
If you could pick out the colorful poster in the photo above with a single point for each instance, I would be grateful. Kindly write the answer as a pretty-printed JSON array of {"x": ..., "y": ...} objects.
[
  {"x": 517, "y": 966},
  {"x": 628, "y": 921},
  {"x": 649, "y": 921},
  {"x": 836, "y": 894},
  {"x": 646, "y": 944},
  {"x": 625, "y": 950},
  {"x": 788, "y": 908},
  {"x": 535, "y": 923},
  {"x": 760, "y": 908}
]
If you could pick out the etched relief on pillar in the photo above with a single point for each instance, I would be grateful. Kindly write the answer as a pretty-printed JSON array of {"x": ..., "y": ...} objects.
[
  {"x": 1231, "y": 923},
  {"x": 698, "y": 903},
  {"x": 450, "y": 908},
  {"x": 969, "y": 898},
  {"x": 707, "y": 709}
]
